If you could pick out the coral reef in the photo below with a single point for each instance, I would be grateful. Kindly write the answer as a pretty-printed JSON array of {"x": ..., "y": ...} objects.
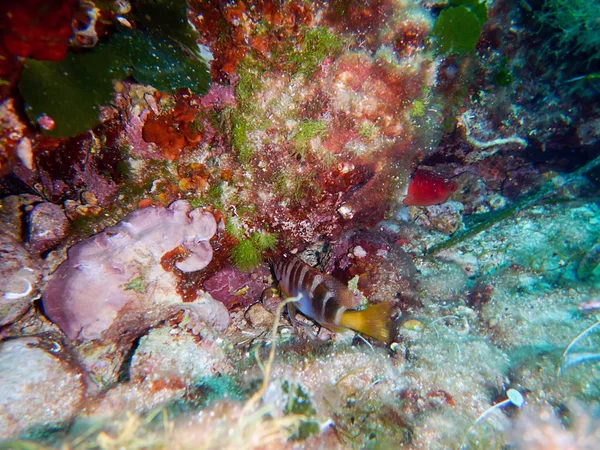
[{"x": 159, "y": 159}]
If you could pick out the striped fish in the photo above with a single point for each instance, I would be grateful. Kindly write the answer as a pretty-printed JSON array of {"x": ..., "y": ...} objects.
[{"x": 329, "y": 302}]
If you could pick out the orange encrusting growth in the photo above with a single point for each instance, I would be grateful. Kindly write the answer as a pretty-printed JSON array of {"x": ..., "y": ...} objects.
[{"x": 373, "y": 321}]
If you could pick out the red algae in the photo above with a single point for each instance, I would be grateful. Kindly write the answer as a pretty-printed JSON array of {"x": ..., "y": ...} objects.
[
  {"x": 178, "y": 129},
  {"x": 257, "y": 26},
  {"x": 39, "y": 29}
]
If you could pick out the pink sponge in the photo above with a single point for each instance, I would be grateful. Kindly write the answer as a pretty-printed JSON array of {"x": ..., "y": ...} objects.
[{"x": 115, "y": 280}]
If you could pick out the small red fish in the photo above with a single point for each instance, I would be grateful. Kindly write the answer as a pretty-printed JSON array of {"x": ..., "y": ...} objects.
[
  {"x": 427, "y": 188},
  {"x": 329, "y": 302}
]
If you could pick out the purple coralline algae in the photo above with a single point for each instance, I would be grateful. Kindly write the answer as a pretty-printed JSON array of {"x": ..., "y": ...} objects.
[{"x": 117, "y": 273}]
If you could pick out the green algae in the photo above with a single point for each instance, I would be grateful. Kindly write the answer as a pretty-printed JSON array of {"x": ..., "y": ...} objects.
[
  {"x": 211, "y": 388},
  {"x": 367, "y": 130},
  {"x": 589, "y": 264},
  {"x": 502, "y": 77},
  {"x": 457, "y": 30},
  {"x": 169, "y": 17},
  {"x": 314, "y": 46},
  {"x": 264, "y": 241},
  {"x": 157, "y": 60},
  {"x": 21, "y": 444},
  {"x": 249, "y": 252},
  {"x": 478, "y": 7},
  {"x": 249, "y": 82},
  {"x": 249, "y": 73},
  {"x": 239, "y": 139},
  {"x": 137, "y": 284},
  {"x": 234, "y": 228},
  {"x": 71, "y": 91},
  {"x": 418, "y": 108},
  {"x": 301, "y": 57},
  {"x": 306, "y": 131}
]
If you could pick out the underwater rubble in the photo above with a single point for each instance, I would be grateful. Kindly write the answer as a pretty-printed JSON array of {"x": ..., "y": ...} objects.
[{"x": 174, "y": 172}]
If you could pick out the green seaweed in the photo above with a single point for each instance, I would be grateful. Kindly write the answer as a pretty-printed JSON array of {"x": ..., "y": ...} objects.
[
  {"x": 86, "y": 225},
  {"x": 210, "y": 388},
  {"x": 418, "y": 108},
  {"x": 234, "y": 228},
  {"x": 169, "y": 17},
  {"x": 245, "y": 255},
  {"x": 248, "y": 253},
  {"x": 71, "y": 91},
  {"x": 589, "y": 264},
  {"x": 21, "y": 444},
  {"x": 478, "y": 7},
  {"x": 314, "y": 46},
  {"x": 366, "y": 130},
  {"x": 239, "y": 139},
  {"x": 502, "y": 76},
  {"x": 264, "y": 241},
  {"x": 214, "y": 195},
  {"x": 457, "y": 30},
  {"x": 249, "y": 71},
  {"x": 195, "y": 202},
  {"x": 157, "y": 60},
  {"x": 574, "y": 29},
  {"x": 308, "y": 130}
]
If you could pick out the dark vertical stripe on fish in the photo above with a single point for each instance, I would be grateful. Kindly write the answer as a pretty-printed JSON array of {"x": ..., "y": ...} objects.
[
  {"x": 287, "y": 279},
  {"x": 295, "y": 278},
  {"x": 331, "y": 309},
  {"x": 327, "y": 298}
]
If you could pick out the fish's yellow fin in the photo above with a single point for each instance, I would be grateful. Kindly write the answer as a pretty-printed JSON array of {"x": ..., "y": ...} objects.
[{"x": 375, "y": 321}]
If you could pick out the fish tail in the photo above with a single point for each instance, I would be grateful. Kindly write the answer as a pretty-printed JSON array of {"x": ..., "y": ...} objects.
[{"x": 375, "y": 321}]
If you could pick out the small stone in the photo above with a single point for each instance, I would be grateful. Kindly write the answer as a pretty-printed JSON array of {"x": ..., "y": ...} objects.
[
  {"x": 20, "y": 275},
  {"x": 48, "y": 226},
  {"x": 359, "y": 252},
  {"x": 89, "y": 198},
  {"x": 258, "y": 317},
  {"x": 24, "y": 152},
  {"x": 346, "y": 212},
  {"x": 88, "y": 210},
  {"x": 36, "y": 387}
]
